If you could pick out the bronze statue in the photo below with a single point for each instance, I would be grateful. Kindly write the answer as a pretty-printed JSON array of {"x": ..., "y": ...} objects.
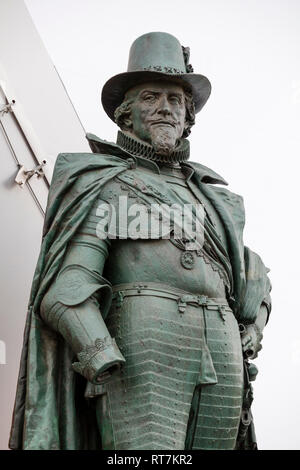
[{"x": 138, "y": 341}]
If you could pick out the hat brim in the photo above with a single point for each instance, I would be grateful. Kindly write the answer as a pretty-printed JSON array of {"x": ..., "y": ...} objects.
[{"x": 115, "y": 88}]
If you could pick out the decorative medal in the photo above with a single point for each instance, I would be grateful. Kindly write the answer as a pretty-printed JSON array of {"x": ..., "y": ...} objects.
[{"x": 187, "y": 260}]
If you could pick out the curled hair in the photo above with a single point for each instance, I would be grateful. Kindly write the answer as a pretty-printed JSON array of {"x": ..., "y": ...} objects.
[
  {"x": 122, "y": 114},
  {"x": 189, "y": 113}
]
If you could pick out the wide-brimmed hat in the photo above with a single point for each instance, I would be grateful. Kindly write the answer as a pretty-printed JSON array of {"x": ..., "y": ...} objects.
[{"x": 155, "y": 56}]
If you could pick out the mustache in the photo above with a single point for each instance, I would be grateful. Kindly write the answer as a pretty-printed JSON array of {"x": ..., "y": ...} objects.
[{"x": 171, "y": 122}]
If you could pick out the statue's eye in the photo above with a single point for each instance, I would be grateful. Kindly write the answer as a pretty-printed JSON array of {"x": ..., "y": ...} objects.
[
  {"x": 175, "y": 99},
  {"x": 149, "y": 97}
]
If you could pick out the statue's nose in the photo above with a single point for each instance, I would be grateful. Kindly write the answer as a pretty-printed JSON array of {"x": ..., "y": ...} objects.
[{"x": 164, "y": 106}]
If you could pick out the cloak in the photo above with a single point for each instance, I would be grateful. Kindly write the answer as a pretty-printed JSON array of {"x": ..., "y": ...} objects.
[{"x": 50, "y": 409}]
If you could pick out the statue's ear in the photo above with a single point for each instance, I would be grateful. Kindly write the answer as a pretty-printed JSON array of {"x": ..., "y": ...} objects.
[{"x": 127, "y": 122}]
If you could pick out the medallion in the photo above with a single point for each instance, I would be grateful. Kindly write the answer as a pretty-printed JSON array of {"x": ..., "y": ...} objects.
[{"x": 187, "y": 260}]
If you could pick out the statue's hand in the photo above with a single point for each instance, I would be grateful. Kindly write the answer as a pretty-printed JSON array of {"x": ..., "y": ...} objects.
[
  {"x": 251, "y": 337},
  {"x": 100, "y": 361},
  {"x": 108, "y": 374}
]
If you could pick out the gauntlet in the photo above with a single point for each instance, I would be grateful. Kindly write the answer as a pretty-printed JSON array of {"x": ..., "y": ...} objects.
[
  {"x": 251, "y": 338},
  {"x": 71, "y": 308}
]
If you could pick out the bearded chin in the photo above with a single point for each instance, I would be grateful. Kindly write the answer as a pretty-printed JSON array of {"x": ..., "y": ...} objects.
[{"x": 163, "y": 141}]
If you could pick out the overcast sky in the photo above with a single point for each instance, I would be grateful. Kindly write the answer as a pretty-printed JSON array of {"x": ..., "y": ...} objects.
[{"x": 248, "y": 132}]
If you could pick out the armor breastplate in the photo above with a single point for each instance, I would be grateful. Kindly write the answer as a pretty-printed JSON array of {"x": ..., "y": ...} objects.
[{"x": 163, "y": 260}]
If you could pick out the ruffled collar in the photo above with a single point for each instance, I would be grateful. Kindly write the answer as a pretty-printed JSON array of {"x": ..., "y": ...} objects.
[{"x": 142, "y": 149}]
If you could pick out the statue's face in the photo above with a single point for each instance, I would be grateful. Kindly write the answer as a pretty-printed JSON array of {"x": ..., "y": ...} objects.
[{"x": 158, "y": 114}]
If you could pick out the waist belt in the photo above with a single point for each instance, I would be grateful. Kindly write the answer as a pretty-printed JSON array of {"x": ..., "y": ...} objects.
[{"x": 183, "y": 298}]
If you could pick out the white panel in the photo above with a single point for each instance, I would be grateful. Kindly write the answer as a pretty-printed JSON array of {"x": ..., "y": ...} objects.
[
  {"x": 42, "y": 124},
  {"x": 21, "y": 229}
]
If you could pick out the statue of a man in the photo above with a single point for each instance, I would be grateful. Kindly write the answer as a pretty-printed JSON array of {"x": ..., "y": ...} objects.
[{"x": 137, "y": 337}]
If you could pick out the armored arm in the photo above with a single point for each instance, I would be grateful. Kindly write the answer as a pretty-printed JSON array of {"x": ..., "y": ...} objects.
[{"x": 76, "y": 303}]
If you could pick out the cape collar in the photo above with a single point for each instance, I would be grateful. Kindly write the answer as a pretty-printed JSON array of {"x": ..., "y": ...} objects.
[{"x": 97, "y": 145}]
